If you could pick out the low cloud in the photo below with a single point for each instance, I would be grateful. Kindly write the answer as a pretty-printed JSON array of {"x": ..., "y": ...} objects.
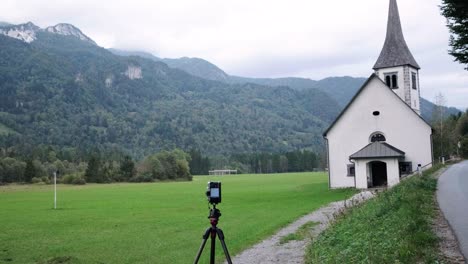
[{"x": 302, "y": 38}]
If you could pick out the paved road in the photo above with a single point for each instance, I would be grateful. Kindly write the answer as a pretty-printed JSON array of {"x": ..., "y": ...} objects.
[{"x": 452, "y": 195}]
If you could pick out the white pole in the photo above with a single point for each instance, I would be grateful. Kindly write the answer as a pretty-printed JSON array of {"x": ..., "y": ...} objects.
[
  {"x": 55, "y": 190},
  {"x": 458, "y": 147}
]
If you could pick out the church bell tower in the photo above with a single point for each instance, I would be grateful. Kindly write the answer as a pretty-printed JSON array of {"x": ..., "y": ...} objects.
[{"x": 396, "y": 65}]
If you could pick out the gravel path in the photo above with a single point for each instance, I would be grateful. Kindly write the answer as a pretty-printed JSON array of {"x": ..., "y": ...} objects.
[{"x": 271, "y": 251}]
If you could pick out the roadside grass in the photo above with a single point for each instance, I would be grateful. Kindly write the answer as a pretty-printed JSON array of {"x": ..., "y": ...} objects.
[
  {"x": 150, "y": 222},
  {"x": 394, "y": 227},
  {"x": 302, "y": 233}
]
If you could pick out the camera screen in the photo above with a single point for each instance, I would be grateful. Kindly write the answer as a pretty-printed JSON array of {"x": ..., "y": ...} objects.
[{"x": 214, "y": 192}]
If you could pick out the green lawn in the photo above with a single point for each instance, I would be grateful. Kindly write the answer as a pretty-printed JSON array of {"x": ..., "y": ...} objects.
[{"x": 149, "y": 223}]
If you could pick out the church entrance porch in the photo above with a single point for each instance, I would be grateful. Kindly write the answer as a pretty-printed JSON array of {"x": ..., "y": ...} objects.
[
  {"x": 377, "y": 174},
  {"x": 376, "y": 165}
]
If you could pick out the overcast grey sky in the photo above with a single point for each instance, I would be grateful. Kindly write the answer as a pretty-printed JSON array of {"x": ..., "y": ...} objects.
[{"x": 263, "y": 38}]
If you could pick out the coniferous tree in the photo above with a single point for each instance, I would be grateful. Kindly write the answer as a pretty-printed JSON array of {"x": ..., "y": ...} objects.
[
  {"x": 30, "y": 171},
  {"x": 127, "y": 168},
  {"x": 92, "y": 173},
  {"x": 456, "y": 12}
]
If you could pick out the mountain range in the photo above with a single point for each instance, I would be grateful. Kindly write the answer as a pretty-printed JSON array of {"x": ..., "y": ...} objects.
[
  {"x": 60, "y": 89},
  {"x": 341, "y": 89}
]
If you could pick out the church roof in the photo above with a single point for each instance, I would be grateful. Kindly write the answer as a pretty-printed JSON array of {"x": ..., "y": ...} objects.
[
  {"x": 395, "y": 52},
  {"x": 378, "y": 150},
  {"x": 356, "y": 96}
]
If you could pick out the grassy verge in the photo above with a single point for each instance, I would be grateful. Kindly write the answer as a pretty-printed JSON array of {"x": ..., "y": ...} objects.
[
  {"x": 150, "y": 222},
  {"x": 395, "y": 227}
]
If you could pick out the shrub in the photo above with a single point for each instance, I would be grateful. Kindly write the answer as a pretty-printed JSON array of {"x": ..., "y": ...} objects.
[
  {"x": 142, "y": 178},
  {"x": 35, "y": 180},
  {"x": 464, "y": 147},
  {"x": 165, "y": 165},
  {"x": 79, "y": 181},
  {"x": 67, "y": 179},
  {"x": 75, "y": 178},
  {"x": 45, "y": 179}
]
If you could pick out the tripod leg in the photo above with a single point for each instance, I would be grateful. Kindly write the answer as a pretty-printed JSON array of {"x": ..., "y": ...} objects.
[
  {"x": 213, "y": 246},
  {"x": 223, "y": 244},
  {"x": 205, "y": 237}
]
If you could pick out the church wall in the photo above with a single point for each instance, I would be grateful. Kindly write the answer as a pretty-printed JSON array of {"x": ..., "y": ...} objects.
[
  {"x": 400, "y": 91},
  {"x": 402, "y": 128},
  {"x": 404, "y": 84},
  {"x": 415, "y": 94},
  {"x": 393, "y": 172},
  {"x": 362, "y": 170}
]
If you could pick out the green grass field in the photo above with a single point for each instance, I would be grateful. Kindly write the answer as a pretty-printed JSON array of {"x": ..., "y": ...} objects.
[{"x": 149, "y": 223}]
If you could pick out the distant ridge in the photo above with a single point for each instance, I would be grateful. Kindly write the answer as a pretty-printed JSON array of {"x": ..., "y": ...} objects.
[
  {"x": 60, "y": 89},
  {"x": 341, "y": 89},
  {"x": 28, "y": 32}
]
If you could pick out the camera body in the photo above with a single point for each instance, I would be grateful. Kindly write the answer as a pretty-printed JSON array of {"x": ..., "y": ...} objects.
[{"x": 213, "y": 192}]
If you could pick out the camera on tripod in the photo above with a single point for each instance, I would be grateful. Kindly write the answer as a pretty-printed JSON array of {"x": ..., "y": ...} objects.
[{"x": 213, "y": 192}]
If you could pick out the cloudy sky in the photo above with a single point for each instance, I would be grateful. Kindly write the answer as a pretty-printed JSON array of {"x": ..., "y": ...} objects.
[{"x": 263, "y": 38}]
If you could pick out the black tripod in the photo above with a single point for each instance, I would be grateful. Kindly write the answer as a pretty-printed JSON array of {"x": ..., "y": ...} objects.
[{"x": 213, "y": 231}]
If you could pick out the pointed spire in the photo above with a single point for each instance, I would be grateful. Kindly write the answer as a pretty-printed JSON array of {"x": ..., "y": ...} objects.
[{"x": 395, "y": 52}]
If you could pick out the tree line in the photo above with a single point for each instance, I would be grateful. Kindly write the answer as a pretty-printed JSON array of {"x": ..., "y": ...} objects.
[
  {"x": 98, "y": 168},
  {"x": 450, "y": 134},
  {"x": 293, "y": 161},
  {"x": 104, "y": 166}
]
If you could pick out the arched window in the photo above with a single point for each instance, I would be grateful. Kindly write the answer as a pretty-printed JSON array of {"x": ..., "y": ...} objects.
[
  {"x": 388, "y": 81},
  {"x": 394, "y": 81},
  {"x": 413, "y": 81},
  {"x": 391, "y": 79},
  {"x": 377, "y": 137}
]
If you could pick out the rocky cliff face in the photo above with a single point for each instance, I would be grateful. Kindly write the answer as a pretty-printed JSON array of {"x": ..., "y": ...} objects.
[
  {"x": 24, "y": 32},
  {"x": 28, "y": 32},
  {"x": 69, "y": 30},
  {"x": 133, "y": 72}
]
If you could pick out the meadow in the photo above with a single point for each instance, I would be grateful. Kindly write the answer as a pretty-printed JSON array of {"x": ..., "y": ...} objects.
[{"x": 150, "y": 222}]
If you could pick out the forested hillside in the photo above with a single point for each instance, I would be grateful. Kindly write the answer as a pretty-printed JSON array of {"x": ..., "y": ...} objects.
[
  {"x": 341, "y": 89},
  {"x": 63, "y": 92}
]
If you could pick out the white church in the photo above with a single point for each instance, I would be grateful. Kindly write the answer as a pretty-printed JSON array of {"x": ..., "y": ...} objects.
[{"x": 380, "y": 135}]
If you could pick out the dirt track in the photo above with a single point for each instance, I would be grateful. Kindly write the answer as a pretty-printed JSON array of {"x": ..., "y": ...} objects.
[{"x": 271, "y": 251}]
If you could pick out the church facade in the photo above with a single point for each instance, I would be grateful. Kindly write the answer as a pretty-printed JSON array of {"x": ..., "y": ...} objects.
[{"x": 380, "y": 136}]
